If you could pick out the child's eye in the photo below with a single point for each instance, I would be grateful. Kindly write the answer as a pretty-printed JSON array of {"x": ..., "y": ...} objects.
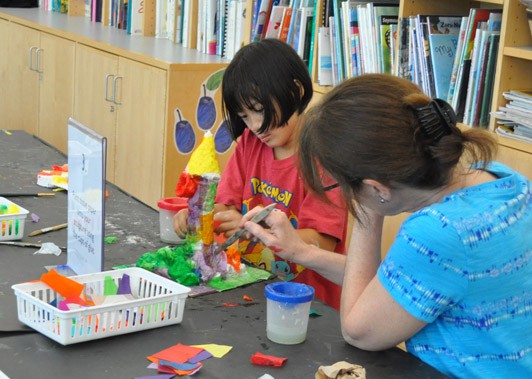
[{"x": 242, "y": 116}]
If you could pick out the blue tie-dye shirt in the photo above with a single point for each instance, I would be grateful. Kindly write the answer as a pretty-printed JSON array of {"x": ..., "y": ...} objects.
[{"x": 464, "y": 267}]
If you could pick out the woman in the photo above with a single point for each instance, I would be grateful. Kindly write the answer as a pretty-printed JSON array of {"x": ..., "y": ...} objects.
[{"x": 457, "y": 282}]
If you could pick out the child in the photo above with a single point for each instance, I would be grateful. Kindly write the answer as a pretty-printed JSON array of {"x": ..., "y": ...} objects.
[
  {"x": 456, "y": 283},
  {"x": 265, "y": 90}
]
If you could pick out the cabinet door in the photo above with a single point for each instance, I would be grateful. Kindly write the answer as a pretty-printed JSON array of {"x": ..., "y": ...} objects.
[
  {"x": 4, "y": 65},
  {"x": 140, "y": 130},
  {"x": 22, "y": 100},
  {"x": 94, "y": 68},
  {"x": 56, "y": 89}
]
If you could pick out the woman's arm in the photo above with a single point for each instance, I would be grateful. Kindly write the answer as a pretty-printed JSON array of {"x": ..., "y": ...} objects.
[{"x": 371, "y": 319}]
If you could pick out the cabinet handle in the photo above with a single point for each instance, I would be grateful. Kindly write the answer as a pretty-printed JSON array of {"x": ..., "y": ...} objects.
[
  {"x": 30, "y": 64},
  {"x": 115, "y": 81},
  {"x": 37, "y": 61},
  {"x": 107, "y": 77}
]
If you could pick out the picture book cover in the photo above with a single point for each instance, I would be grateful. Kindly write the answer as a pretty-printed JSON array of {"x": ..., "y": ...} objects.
[{"x": 443, "y": 41}]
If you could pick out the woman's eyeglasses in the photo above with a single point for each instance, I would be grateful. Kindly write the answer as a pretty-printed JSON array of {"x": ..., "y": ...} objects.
[{"x": 330, "y": 187}]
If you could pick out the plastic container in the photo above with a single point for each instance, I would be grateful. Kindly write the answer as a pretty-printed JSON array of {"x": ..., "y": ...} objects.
[
  {"x": 158, "y": 302},
  {"x": 288, "y": 308},
  {"x": 168, "y": 207},
  {"x": 12, "y": 224}
]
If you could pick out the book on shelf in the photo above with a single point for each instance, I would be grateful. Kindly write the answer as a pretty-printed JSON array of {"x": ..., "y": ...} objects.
[
  {"x": 476, "y": 15},
  {"x": 260, "y": 23},
  {"x": 488, "y": 85},
  {"x": 273, "y": 29},
  {"x": 402, "y": 62},
  {"x": 285, "y": 23},
  {"x": 332, "y": 39},
  {"x": 324, "y": 57},
  {"x": 443, "y": 40},
  {"x": 473, "y": 74},
  {"x": 384, "y": 16}
]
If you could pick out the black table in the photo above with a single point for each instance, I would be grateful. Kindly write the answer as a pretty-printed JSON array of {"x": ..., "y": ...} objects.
[{"x": 27, "y": 354}]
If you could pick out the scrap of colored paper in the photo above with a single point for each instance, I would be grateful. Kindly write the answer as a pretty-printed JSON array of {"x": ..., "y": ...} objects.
[
  {"x": 251, "y": 275},
  {"x": 216, "y": 350},
  {"x": 204, "y": 354},
  {"x": 165, "y": 376},
  {"x": 109, "y": 286},
  {"x": 111, "y": 239},
  {"x": 178, "y": 353},
  {"x": 313, "y": 313},
  {"x": 247, "y": 298},
  {"x": 267, "y": 360},
  {"x": 180, "y": 369},
  {"x": 124, "y": 287},
  {"x": 66, "y": 287}
]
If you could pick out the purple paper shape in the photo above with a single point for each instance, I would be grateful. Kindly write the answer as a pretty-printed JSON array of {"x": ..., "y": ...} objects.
[
  {"x": 34, "y": 217},
  {"x": 179, "y": 366},
  {"x": 124, "y": 288},
  {"x": 165, "y": 376},
  {"x": 200, "y": 357}
]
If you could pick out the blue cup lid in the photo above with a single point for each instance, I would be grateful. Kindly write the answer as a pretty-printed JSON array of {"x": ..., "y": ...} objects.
[{"x": 289, "y": 292}]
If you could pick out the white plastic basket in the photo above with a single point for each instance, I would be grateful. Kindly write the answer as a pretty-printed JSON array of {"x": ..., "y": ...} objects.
[
  {"x": 12, "y": 225},
  {"x": 158, "y": 302}
]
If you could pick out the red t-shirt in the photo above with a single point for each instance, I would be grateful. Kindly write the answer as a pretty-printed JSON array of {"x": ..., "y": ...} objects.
[{"x": 254, "y": 177}]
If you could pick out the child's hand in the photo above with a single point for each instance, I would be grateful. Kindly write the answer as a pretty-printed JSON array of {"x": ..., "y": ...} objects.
[
  {"x": 181, "y": 223},
  {"x": 227, "y": 222}
]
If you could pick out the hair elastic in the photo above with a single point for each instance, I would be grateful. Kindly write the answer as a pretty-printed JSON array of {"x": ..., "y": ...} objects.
[{"x": 436, "y": 118}]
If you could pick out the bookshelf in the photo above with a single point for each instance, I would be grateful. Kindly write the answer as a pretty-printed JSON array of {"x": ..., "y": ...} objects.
[{"x": 513, "y": 71}]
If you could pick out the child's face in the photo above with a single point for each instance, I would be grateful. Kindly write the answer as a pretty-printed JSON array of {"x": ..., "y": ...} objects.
[{"x": 273, "y": 137}]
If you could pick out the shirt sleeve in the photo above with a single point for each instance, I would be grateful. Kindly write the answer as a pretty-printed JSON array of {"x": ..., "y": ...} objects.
[{"x": 425, "y": 270}]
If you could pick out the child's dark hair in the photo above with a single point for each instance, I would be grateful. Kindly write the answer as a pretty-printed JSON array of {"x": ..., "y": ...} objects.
[
  {"x": 369, "y": 127},
  {"x": 267, "y": 75}
]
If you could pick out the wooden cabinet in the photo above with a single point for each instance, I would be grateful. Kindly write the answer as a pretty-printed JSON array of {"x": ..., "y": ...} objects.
[
  {"x": 124, "y": 101},
  {"x": 22, "y": 82},
  {"x": 37, "y": 83},
  {"x": 56, "y": 76},
  {"x": 126, "y": 88},
  {"x": 140, "y": 99},
  {"x": 93, "y": 105},
  {"x": 4, "y": 67}
]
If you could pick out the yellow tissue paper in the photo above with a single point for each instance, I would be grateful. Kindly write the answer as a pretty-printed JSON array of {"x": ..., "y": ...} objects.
[{"x": 203, "y": 159}]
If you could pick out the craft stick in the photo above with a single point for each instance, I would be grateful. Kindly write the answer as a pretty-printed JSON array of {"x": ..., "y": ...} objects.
[
  {"x": 27, "y": 194},
  {"x": 49, "y": 229}
]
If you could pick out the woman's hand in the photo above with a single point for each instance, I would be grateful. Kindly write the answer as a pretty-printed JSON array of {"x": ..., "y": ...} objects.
[
  {"x": 280, "y": 236},
  {"x": 181, "y": 222}
]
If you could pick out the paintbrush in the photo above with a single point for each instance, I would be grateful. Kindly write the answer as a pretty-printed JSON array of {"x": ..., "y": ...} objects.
[
  {"x": 46, "y": 230},
  {"x": 24, "y": 244},
  {"x": 27, "y": 194}
]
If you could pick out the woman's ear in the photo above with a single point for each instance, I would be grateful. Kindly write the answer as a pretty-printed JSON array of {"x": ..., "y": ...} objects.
[{"x": 380, "y": 189}]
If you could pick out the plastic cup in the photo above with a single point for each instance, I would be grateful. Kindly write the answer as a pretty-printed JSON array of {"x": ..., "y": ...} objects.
[
  {"x": 287, "y": 311},
  {"x": 168, "y": 207}
]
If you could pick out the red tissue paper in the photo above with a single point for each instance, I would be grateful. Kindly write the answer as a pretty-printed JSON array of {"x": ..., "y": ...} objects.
[{"x": 267, "y": 360}]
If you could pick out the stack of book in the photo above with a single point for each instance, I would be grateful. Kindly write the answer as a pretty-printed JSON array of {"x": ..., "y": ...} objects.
[
  {"x": 355, "y": 38},
  {"x": 452, "y": 57},
  {"x": 515, "y": 119}
]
